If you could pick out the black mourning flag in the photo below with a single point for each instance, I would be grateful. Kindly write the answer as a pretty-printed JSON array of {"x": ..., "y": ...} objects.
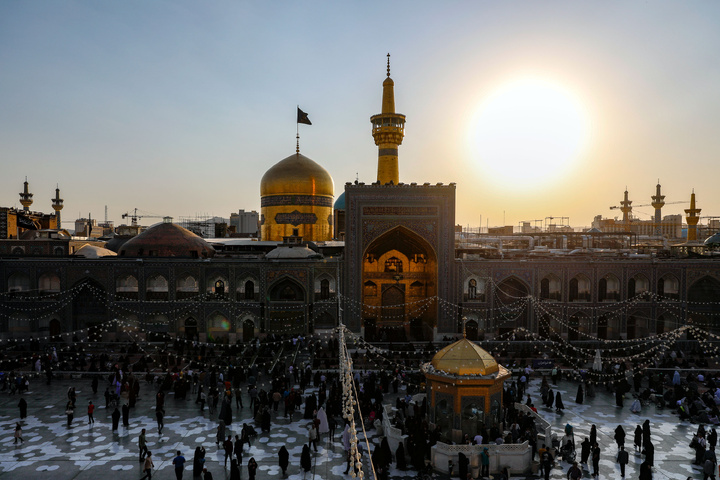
[
  {"x": 302, "y": 117},
  {"x": 26, "y": 222}
]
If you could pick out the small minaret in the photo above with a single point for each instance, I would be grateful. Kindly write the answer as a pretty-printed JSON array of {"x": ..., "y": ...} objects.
[
  {"x": 626, "y": 209},
  {"x": 388, "y": 129},
  {"x": 26, "y": 197},
  {"x": 692, "y": 219},
  {"x": 658, "y": 201},
  {"x": 57, "y": 205}
]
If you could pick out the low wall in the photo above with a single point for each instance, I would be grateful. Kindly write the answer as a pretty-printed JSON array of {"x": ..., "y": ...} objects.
[
  {"x": 543, "y": 426},
  {"x": 393, "y": 434},
  {"x": 517, "y": 457}
]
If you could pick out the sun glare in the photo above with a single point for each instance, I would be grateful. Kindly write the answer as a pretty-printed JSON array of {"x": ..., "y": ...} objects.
[{"x": 529, "y": 132}]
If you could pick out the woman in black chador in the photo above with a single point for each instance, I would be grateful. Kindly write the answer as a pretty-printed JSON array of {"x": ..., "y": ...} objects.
[
  {"x": 283, "y": 459},
  {"x": 620, "y": 436},
  {"x": 580, "y": 395},
  {"x": 638, "y": 438},
  {"x": 400, "y": 457},
  {"x": 559, "y": 407},
  {"x": 550, "y": 398},
  {"x": 305, "y": 462},
  {"x": 310, "y": 407}
]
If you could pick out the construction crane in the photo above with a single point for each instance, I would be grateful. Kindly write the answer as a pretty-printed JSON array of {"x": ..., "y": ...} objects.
[
  {"x": 134, "y": 216},
  {"x": 615, "y": 207}
]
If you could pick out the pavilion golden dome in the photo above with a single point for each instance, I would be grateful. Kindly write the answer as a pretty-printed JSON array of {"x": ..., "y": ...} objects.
[
  {"x": 464, "y": 358},
  {"x": 296, "y": 199}
]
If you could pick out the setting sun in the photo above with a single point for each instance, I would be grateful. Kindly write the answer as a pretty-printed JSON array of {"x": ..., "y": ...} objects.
[{"x": 529, "y": 131}]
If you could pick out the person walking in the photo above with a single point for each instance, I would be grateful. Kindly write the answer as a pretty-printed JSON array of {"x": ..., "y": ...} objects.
[
  {"x": 559, "y": 406},
  {"x": 546, "y": 461},
  {"x": 228, "y": 447},
  {"x": 148, "y": 466},
  {"x": 595, "y": 459},
  {"x": 22, "y": 405},
  {"x": 574, "y": 472},
  {"x": 18, "y": 434},
  {"x": 620, "y": 436},
  {"x": 126, "y": 415},
  {"x": 179, "y": 463},
  {"x": 313, "y": 436},
  {"x": 69, "y": 411},
  {"x": 142, "y": 445},
  {"x": 305, "y": 461},
  {"x": 237, "y": 448},
  {"x": 115, "y": 419},
  {"x": 593, "y": 434},
  {"x": 220, "y": 435},
  {"x": 485, "y": 463},
  {"x": 638, "y": 438},
  {"x": 252, "y": 468},
  {"x": 585, "y": 447},
  {"x": 234, "y": 470},
  {"x": 622, "y": 459},
  {"x": 91, "y": 410},
  {"x": 283, "y": 460},
  {"x": 198, "y": 461},
  {"x": 160, "y": 415}
]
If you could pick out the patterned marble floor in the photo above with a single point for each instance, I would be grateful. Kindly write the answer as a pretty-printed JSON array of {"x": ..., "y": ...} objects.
[{"x": 52, "y": 450}]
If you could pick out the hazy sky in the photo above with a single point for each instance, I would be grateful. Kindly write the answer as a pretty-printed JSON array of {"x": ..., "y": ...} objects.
[{"x": 178, "y": 108}]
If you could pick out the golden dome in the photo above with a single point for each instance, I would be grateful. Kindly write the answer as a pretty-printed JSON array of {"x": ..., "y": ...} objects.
[
  {"x": 464, "y": 358},
  {"x": 296, "y": 175}
]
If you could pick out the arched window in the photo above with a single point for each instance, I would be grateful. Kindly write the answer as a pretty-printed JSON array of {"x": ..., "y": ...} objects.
[
  {"x": 49, "y": 283},
  {"x": 324, "y": 289},
  {"x": 156, "y": 288},
  {"x": 573, "y": 294},
  {"x": 370, "y": 289},
  {"x": 18, "y": 282},
  {"x": 127, "y": 287},
  {"x": 668, "y": 288},
  {"x": 472, "y": 289},
  {"x": 393, "y": 264},
  {"x": 544, "y": 288},
  {"x": 550, "y": 288},
  {"x": 219, "y": 288},
  {"x": 609, "y": 289},
  {"x": 249, "y": 290},
  {"x": 187, "y": 287},
  {"x": 579, "y": 289}
]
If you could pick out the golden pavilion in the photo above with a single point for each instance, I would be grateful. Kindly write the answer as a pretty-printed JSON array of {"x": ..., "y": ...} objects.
[{"x": 465, "y": 388}]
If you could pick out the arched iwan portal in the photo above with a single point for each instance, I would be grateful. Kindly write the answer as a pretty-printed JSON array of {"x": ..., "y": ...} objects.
[{"x": 399, "y": 275}]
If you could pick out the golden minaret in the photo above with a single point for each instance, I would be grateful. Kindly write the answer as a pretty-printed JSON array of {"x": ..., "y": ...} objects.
[
  {"x": 26, "y": 197},
  {"x": 388, "y": 129},
  {"x": 692, "y": 219}
]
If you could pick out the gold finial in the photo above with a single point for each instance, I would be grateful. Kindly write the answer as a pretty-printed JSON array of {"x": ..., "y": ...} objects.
[
  {"x": 464, "y": 325},
  {"x": 388, "y": 68}
]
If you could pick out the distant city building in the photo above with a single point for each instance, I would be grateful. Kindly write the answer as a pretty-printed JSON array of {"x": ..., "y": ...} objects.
[
  {"x": 671, "y": 226},
  {"x": 246, "y": 224}
]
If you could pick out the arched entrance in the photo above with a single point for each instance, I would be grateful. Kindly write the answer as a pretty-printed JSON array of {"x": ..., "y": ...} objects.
[
  {"x": 191, "y": 330},
  {"x": 399, "y": 272},
  {"x": 286, "y": 310},
  {"x": 511, "y": 307},
  {"x": 88, "y": 306},
  {"x": 248, "y": 330},
  {"x": 54, "y": 327},
  {"x": 703, "y": 300}
]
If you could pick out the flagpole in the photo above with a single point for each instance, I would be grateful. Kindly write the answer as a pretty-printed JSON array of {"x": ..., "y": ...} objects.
[{"x": 297, "y": 133}]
